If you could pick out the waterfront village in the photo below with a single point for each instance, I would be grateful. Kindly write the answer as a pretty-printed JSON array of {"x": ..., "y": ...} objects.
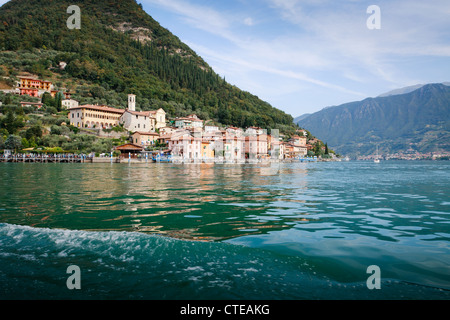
[{"x": 151, "y": 136}]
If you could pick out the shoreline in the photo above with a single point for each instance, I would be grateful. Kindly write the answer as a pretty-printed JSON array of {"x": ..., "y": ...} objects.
[{"x": 88, "y": 159}]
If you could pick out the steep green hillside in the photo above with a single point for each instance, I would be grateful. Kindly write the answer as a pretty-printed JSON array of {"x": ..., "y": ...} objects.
[
  {"x": 419, "y": 120},
  {"x": 120, "y": 49}
]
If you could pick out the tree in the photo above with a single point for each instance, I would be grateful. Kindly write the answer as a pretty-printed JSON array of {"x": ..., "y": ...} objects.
[
  {"x": 55, "y": 130},
  {"x": 34, "y": 131},
  {"x": 11, "y": 122},
  {"x": 7, "y": 99},
  {"x": 318, "y": 149},
  {"x": 326, "y": 149},
  {"x": 25, "y": 143},
  {"x": 58, "y": 101},
  {"x": 48, "y": 100},
  {"x": 13, "y": 143}
]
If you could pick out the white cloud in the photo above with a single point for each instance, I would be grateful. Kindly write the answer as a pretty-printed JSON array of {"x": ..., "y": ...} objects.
[
  {"x": 239, "y": 63},
  {"x": 319, "y": 43},
  {"x": 290, "y": 9},
  {"x": 249, "y": 21},
  {"x": 278, "y": 56},
  {"x": 200, "y": 17}
]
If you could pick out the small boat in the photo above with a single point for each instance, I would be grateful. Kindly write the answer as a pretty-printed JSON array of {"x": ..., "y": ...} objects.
[
  {"x": 377, "y": 160},
  {"x": 162, "y": 157}
]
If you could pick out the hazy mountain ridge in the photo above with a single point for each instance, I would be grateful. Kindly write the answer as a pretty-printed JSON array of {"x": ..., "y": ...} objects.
[
  {"x": 406, "y": 90},
  {"x": 419, "y": 120}
]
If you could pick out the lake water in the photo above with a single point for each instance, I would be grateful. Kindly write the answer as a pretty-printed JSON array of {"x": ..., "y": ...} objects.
[{"x": 210, "y": 231}]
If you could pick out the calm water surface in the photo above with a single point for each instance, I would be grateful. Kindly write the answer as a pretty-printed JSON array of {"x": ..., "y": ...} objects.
[{"x": 284, "y": 231}]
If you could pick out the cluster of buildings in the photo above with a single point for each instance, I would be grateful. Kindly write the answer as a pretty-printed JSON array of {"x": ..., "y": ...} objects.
[
  {"x": 188, "y": 138},
  {"x": 36, "y": 88},
  {"x": 231, "y": 144},
  {"x": 33, "y": 87},
  {"x": 409, "y": 154},
  {"x": 104, "y": 117}
]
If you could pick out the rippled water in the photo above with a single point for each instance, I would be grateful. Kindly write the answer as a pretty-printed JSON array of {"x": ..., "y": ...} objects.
[{"x": 284, "y": 231}]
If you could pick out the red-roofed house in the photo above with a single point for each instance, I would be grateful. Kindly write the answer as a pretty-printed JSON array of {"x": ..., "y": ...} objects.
[{"x": 90, "y": 116}]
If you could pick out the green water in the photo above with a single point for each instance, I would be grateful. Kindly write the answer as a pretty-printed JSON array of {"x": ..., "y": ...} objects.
[{"x": 285, "y": 231}]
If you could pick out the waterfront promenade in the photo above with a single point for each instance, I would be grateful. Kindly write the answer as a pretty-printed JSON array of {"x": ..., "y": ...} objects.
[
  {"x": 75, "y": 158},
  {"x": 66, "y": 158}
]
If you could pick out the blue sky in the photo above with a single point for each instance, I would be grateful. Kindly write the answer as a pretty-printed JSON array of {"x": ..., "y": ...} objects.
[{"x": 304, "y": 55}]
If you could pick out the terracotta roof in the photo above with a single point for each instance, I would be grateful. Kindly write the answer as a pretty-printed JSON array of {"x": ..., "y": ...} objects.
[
  {"x": 32, "y": 103},
  {"x": 138, "y": 113},
  {"x": 99, "y": 108},
  {"x": 189, "y": 118},
  {"x": 146, "y": 133},
  {"x": 130, "y": 146},
  {"x": 184, "y": 138}
]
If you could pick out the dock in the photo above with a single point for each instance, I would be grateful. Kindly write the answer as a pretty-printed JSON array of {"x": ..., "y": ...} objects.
[{"x": 46, "y": 158}]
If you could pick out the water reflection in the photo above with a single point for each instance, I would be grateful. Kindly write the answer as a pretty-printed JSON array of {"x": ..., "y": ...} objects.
[
  {"x": 206, "y": 202},
  {"x": 217, "y": 202}
]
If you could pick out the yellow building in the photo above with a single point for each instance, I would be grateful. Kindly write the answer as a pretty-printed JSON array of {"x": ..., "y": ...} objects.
[
  {"x": 31, "y": 83},
  {"x": 207, "y": 149},
  {"x": 145, "y": 138},
  {"x": 90, "y": 116}
]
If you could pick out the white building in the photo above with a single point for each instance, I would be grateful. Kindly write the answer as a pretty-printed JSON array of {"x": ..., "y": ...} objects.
[
  {"x": 166, "y": 130},
  {"x": 70, "y": 103},
  {"x": 133, "y": 120},
  {"x": 211, "y": 128},
  {"x": 233, "y": 147},
  {"x": 160, "y": 117},
  {"x": 256, "y": 146},
  {"x": 237, "y": 132},
  {"x": 255, "y": 131},
  {"x": 189, "y": 122},
  {"x": 138, "y": 121},
  {"x": 147, "y": 121},
  {"x": 186, "y": 146}
]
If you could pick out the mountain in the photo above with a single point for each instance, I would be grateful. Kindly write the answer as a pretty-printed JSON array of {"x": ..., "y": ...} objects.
[
  {"x": 121, "y": 49},
  {"x": 419, "y": 120},
  {"x": 401, "y": 91},
  {"x": 302, "y": 117},
  {"x": 405, "y": 90}
]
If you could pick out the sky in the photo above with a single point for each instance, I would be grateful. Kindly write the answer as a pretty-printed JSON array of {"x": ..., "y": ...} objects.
[{"x": 304, "y": 55}]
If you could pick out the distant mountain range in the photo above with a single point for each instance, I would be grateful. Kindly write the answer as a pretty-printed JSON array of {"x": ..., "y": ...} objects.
[
  {"x": 409, "y": 119},
  {"x": 406, "y": 90}
]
